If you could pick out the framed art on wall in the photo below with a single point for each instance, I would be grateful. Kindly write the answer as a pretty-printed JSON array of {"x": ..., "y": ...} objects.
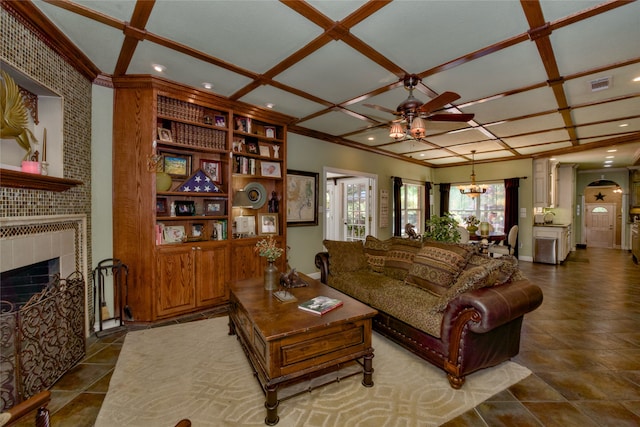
[{"x": 302, "y": 198}]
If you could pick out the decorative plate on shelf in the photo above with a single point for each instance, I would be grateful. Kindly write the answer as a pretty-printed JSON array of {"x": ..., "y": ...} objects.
[{"x": 257, "y": 194}]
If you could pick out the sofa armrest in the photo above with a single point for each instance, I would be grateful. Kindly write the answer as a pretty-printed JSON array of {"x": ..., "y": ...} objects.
[
  {"x": 496, "y": 305},
  {"x": 322, "y": 262}
]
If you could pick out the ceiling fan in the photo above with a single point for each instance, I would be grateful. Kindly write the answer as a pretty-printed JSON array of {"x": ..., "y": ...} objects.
[{"x": 414, "y": 112}]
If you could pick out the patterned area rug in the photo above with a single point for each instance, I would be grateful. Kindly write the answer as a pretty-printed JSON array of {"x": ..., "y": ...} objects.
[{"x": 196, "y": 371}]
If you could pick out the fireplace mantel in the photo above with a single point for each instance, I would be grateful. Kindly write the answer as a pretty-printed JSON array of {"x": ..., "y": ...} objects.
[{"x": 15, "y": 179}]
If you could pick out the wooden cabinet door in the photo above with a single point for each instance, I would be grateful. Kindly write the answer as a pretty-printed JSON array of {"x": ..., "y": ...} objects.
[
  {"x": 212, "y": 274},
  {"x": 175, "y": 280},
  {"x": 245, "y": 263}
]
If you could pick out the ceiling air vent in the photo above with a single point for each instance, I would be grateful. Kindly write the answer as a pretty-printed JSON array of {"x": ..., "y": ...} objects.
[{"x": 600, "y": 84}]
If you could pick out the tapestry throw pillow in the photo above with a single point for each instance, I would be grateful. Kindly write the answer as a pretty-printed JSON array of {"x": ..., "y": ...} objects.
[
  {"x": 494, "y": 272},
  {"x": 437, "y": 265},
  {"x": 345, "y": 256},
  {"x": 375, "y": 251},
  {"x": 400, "y": 257}
]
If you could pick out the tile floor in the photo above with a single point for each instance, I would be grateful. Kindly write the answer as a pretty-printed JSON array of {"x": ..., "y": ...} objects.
[{"x": 582, "y": 344}]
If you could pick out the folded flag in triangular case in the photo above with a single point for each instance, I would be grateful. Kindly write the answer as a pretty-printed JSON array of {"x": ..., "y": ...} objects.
[{"x": 199, "y": 182}]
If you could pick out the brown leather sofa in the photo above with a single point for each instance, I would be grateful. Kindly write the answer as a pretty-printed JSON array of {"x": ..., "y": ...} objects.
[{"x": 474, "y": 327}]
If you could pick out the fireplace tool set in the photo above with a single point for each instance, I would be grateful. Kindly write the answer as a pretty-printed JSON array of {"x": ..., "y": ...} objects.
[{"x": 120, "y": 282}]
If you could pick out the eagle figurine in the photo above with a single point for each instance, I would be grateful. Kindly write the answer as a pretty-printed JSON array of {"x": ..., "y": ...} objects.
[{"x": 14, "y": 115}]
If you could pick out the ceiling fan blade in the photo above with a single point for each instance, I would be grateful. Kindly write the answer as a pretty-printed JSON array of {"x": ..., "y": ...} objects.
[
  {"x": 438, "y": 102},
  {"x": 451, "y": 117},
  {"x": 383, "y": 109}
]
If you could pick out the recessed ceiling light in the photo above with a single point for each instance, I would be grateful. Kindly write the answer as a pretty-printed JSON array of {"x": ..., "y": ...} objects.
[
  {"x": 610, "y": 157},
  {"x": 159, "y": 68},
  {"x": 624, "y": 125},
  {"x": 371, "y": 138},
  {"x": 553, "y": 159},
  {"x": 207, "y": 85},
  {"x": 613, "y": 150},
  {"x": 607, "y": 166},
  {"x": 421, "y": 154},
  {"x": 637, "y": 79},
  {"x": 608, "y": 161},
  {"x": 270, "y": 105}
]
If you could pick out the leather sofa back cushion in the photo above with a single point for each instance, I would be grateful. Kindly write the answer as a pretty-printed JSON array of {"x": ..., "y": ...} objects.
[
  {"x": 345, "y": 256},
  {"x": 437, "y": 265},
  {"x": 399, "y": 257},
  {"x": 375, "y": 251}
]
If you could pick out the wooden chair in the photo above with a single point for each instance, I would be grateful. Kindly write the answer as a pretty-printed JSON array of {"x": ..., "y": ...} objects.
[
  {"x": 39, "y": 402},
  {"x": 464, "y": 234}
]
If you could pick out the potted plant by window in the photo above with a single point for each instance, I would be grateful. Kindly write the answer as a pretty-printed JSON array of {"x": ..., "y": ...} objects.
[
  {"x": 472, "y": 223},
  {"x": 442, "y": 228}
]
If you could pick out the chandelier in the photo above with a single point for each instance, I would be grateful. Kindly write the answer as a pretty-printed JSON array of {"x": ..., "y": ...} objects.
[{"x": 473, "y": 190}]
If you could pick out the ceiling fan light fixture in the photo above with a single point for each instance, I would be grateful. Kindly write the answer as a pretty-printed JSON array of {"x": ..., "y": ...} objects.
[
  {"x": 418, "y": 128},
  {"x": 397, "y": 131}
]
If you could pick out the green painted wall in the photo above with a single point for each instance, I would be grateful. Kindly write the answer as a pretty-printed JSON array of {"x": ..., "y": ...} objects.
[{"x": 312, "y": 155}]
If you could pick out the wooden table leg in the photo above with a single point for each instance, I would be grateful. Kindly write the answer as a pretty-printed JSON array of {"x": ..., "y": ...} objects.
[
  {"x": 367, "y": 370},
  {"x": 271, "y": 403}
]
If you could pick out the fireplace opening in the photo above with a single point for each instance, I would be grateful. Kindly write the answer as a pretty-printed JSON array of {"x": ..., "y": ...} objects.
[{"x": 20, "y": 284}]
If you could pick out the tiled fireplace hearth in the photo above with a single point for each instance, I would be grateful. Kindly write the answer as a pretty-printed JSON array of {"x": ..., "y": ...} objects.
[{"x": 33, "y": 357}]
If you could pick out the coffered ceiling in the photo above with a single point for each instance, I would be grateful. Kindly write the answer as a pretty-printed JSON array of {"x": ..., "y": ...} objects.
[{"x": 527, "y": 70}]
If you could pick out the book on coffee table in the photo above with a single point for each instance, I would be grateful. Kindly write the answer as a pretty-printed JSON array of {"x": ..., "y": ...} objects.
[{"x": 320, "y": 305}]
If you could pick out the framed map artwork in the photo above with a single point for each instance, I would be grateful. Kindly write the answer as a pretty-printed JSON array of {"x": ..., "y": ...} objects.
[{"x": 302, "y": 198}]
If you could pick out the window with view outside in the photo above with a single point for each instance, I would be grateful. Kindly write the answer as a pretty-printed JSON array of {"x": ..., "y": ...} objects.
[
  {"x": 411, "y": 200},
  {"x": 487, "y": 207},
  {"x": 356, "y": 211}
]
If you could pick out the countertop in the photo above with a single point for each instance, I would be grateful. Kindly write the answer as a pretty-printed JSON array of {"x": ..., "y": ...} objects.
[{"x": 551, "y": 225}]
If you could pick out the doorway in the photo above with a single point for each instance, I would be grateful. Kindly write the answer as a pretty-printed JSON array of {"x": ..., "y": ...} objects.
[
  {"x": 349, "y": 205},
  {"x": 600, "y": 224}
]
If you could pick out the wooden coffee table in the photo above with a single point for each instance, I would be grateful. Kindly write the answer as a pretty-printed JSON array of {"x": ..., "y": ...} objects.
[{"x": 286, "y": 345}]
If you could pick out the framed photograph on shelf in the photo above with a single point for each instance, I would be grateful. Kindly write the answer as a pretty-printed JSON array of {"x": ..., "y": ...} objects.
[
  {"x": 264, "y": 151},
  {"x": 176, "y": 165},
  {"x": 196, "y": 230},
  {"x": 173, "y": 234},
  {"x": 267, "y": 223},
  {"x": 252, "y": 145},
  {"x": 302, "y": 198},
  {"x": 215, "y": 207},
  {"x": 270, "y": 131},
  {"x": 212, "y": 168},
  {"x": 271, "y": 169},
  {"x": 161, "y": 206},
  {"x": 164, "y": 135},
  {"x": 185, "y": 208},
  {"x": 220, "y": 121}
]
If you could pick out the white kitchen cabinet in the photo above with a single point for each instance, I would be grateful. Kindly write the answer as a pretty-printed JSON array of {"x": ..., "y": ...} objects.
[
  {"x": 545, "y": 176},
  {"x": 561, "y": 234}
]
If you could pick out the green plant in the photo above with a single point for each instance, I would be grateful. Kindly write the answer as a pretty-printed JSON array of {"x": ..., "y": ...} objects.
[{"x": 442, "y": 228}]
